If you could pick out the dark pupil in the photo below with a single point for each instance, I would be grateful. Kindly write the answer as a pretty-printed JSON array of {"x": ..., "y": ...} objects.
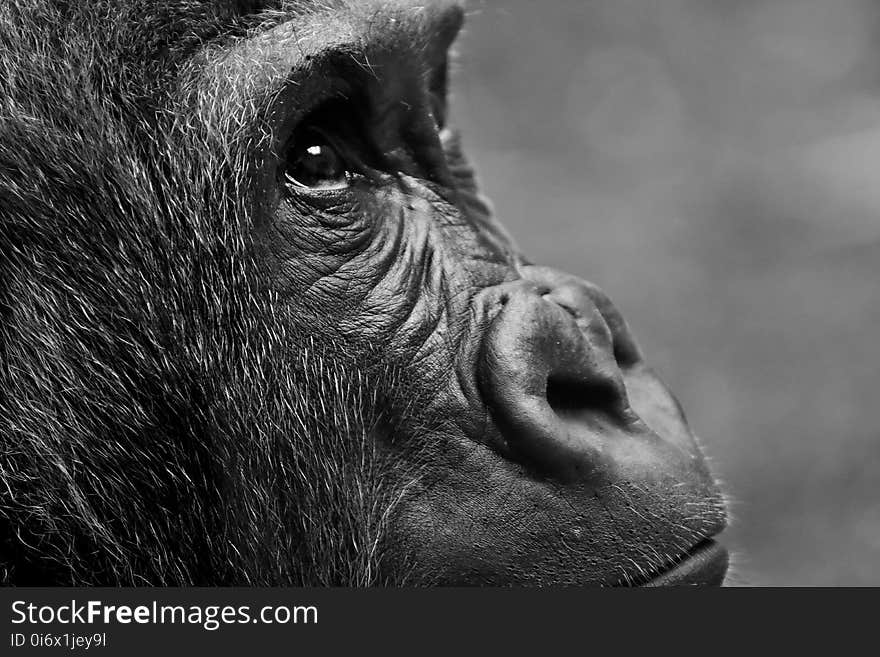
[{"x": 316, "y": 165}]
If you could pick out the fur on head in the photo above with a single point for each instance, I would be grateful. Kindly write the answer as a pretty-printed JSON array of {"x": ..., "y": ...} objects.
[{"x": 158, "y": 423}]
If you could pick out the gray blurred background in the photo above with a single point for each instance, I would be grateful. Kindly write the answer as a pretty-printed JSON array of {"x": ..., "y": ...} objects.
[{"x": 715, "y": 166}]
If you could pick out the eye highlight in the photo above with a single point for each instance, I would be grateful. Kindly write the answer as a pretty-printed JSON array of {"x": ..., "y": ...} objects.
[{"x": 313, "y": 162}]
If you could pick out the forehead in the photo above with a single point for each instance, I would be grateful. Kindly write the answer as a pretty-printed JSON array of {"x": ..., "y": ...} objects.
[
  {"x": 343, "y": 12},
  {"x": 143, "y": 31},
  {"x": 288, "y": 33},
  {"x": 366, "y": 24},
  {"x": 310, "y": 43}
]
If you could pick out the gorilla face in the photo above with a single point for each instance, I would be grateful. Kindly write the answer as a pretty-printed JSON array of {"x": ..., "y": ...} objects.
[
  {"x": 347, "y": 371},
  {"x": 555, "y": 454}
]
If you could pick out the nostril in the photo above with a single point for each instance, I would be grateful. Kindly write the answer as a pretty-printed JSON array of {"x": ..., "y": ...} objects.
[
  {"x": 568, "y": 397},
  {"x": 549, "y": 379}
]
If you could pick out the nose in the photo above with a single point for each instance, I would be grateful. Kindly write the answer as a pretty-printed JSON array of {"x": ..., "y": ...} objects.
[{"x": 550, "y": 372}]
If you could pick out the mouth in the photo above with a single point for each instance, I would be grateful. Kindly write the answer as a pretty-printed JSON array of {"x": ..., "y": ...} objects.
[{"x": 705, "y": 565}]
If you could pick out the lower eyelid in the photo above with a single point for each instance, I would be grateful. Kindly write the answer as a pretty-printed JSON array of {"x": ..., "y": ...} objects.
[{"x": 300, "y": 188}]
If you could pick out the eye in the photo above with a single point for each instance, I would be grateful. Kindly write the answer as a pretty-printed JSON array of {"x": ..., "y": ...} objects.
[{"x": 314, "y": 163}]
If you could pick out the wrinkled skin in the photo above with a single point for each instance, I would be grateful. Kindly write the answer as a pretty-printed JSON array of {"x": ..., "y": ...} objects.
[
  {"x": 574, "y": 484},
  {"x": 523, "y": 439}
]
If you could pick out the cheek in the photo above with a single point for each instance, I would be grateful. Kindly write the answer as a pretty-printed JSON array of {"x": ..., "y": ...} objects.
[
  {"x": 365, "y": 263},
  {"x": 304, "y": 245}
]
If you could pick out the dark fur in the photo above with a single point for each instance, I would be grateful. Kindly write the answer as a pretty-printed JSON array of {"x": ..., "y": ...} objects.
[{"x": 158, "y": 425}]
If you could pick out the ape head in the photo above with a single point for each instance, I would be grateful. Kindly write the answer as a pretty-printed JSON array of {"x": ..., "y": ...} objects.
[{"x": 258, "y": 326}]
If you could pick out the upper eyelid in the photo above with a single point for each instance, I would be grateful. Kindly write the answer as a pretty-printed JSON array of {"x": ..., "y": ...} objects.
[{"x": 331, "y": 139}]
